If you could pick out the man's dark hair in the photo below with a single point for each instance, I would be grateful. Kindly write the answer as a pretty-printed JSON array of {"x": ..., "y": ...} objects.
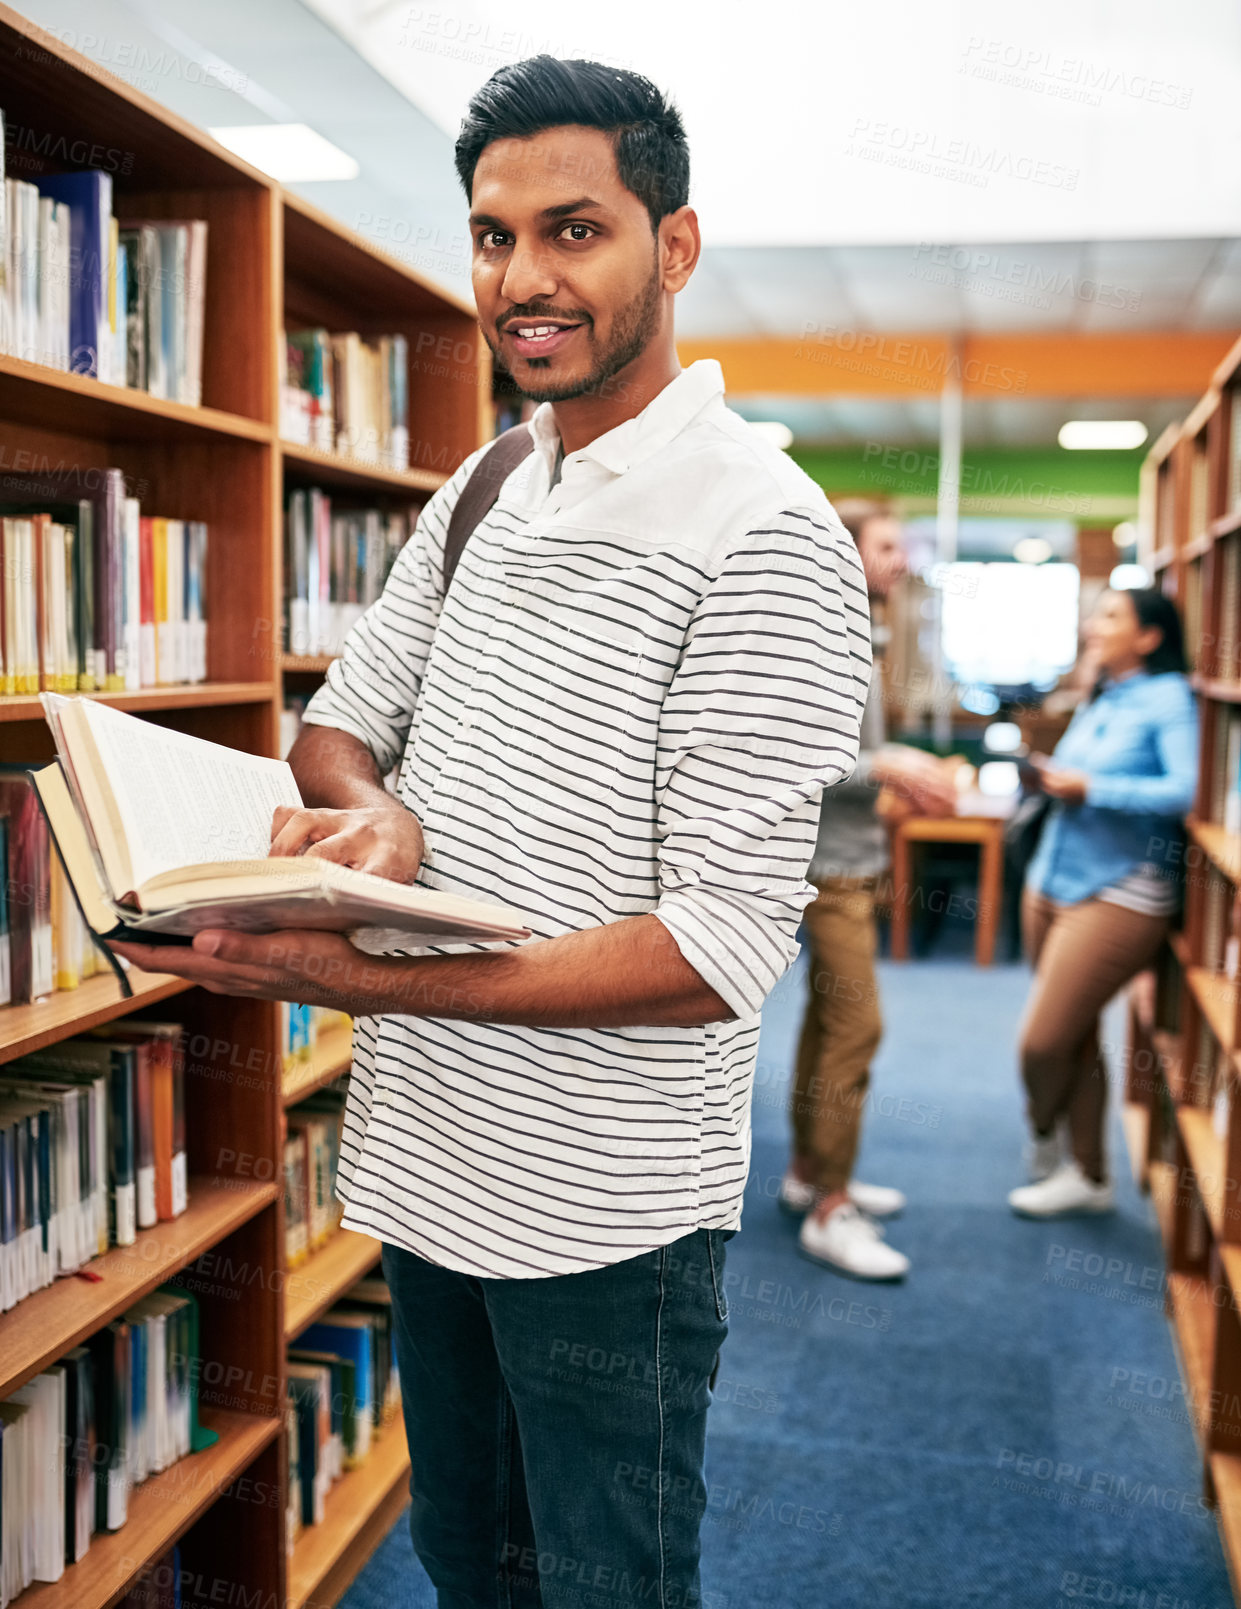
[
  {"x": 855, "y": 513},
  {"x": 517, "y": 101}
]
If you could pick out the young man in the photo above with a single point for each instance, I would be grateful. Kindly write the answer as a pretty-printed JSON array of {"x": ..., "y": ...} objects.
[
  {"x": 842, "y": 1026},
  {"x": 652, "y": 659}
]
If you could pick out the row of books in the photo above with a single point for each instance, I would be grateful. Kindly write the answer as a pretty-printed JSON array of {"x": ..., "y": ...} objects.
[
  {"x": 82, "y": 291},
  {"x": 96, "y": 596},
  {"x": 78, "y": 1438},
  {"x": 301, "y": 1027},
  {"x": 343, "y": 1389},
  {"x": 336, "y": 563},
  {"x": 346, "y": 394},
  {"x": 92, "y": 1149},
  {"x": 311, "y": 1158}
]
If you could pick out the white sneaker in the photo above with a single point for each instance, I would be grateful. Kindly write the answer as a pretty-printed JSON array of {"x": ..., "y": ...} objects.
[
  {"x": 850, "y": 1243},
  {"x": 797, "y": 1197},
  {"x": 876, "y": 1200},
  {"x": 1043, "y": 1155},
  {"x": 1066, "y": 1192}
]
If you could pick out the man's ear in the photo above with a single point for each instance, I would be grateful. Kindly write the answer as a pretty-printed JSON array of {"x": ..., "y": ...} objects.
[{"x": 680, "y": 244}]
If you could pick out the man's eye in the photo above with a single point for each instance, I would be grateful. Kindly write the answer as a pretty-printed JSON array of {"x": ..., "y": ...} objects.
[
  {"x": 578, "y": 231},
  {"x": 491, "y": 239}
]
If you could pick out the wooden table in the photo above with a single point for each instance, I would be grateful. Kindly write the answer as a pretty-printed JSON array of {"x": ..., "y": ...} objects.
[{"x": 985, "y": 831}]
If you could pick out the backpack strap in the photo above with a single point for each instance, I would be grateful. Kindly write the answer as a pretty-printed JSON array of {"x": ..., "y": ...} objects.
[{"x": 479, "y": 494}]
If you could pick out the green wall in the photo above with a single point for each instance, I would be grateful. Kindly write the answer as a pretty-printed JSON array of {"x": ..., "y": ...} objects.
[{"x": 1045, "y": 480}]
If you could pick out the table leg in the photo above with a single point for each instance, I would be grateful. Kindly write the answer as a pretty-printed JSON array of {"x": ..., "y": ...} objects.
[
  {"x": 990, "y": 896},
  {"x": 901, "y": 861}
]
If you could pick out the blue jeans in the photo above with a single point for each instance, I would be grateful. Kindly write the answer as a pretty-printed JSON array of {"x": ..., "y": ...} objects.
[{"x": 556, "y": 1427}]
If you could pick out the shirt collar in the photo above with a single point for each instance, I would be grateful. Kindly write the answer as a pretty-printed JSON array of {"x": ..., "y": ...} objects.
[{"x": 636, "y": 439}]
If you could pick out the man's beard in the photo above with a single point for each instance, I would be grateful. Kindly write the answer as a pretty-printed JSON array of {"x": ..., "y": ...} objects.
[{"x": 633, "y": 330}]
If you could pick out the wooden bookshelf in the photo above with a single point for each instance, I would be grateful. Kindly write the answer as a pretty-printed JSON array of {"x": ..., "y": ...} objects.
[
  {"x": 1190, "y": 513},
  {"x": 325, "y": 1276},
  {"x": 360, "y": 1510},
  {"x": 161, "y": 1510},
  {"x": 273, "y": 262}
]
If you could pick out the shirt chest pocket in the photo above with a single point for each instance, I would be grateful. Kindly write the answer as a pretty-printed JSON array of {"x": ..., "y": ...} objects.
[{"x": 576, "y": 624}]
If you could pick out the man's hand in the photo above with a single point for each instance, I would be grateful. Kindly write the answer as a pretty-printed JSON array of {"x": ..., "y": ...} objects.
[
  {"x": 321, "y": 969},
  {"x": 921, "y": 778},
  {"x": 385, "y": 840}
]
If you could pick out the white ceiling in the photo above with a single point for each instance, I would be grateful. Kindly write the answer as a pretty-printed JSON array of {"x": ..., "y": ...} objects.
[
  {"x": 798, "y": 234},
  {"x": 897, "y": 120}
]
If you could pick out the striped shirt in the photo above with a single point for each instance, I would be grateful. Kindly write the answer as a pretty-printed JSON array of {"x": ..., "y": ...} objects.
[{"x": 630, "y": 703}]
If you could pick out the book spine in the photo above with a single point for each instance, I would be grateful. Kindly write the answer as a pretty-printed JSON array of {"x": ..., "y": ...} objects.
[
  {"x": 132, "y": 595},
  {"x": 146, "y": 604},
  {"x": 84, "y": 596}
]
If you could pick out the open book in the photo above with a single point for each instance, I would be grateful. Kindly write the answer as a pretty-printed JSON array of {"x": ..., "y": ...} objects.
[{"x": 162, "y": 833}]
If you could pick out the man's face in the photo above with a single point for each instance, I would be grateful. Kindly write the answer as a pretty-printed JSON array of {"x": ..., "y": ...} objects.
[
  {"x": 881, "y": 548},
  {"x": 566, "y": 268}
]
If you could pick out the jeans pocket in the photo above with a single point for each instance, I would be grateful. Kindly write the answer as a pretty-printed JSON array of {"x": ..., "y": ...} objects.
[{"x": 715, "y": 1256}]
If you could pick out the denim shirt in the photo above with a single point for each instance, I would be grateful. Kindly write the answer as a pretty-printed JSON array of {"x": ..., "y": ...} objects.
[{"x": 1137, "y": 742}]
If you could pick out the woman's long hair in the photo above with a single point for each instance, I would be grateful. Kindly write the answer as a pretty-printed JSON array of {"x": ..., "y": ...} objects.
[{"x": 1153, "y": 608}]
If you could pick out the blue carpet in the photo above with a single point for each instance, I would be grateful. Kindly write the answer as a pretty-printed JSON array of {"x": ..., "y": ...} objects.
[{"x": 1002, "y": 1431}]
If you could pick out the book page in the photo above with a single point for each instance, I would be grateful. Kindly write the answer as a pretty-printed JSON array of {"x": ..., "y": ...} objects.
[{"x": 184, "y": 801}]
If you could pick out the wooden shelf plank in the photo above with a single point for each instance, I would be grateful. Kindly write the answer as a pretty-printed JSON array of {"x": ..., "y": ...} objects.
[
  {"x": 43, "y": 1327},
  {"x": 312, "y": 1287},
  {"x": 306, "y": 664},
  {"x": 355, "y": 474},
  {"x": 1226, "y": 1478},
  {"x": 1198, "y": 548},
  {"x": 1193, "y": 1324},
  {"x": 1163, "y": 1198},
  {"x": 72, "y": 1011},
  {"x": 1162, "y": 557},
  {"x": 160, "y": 1510},
  {"x": 191, "y": 695},
  {"x": 1221, "y": 847},
  {"x": 358, "y": 1512},
  {"x": 1230, "y": 1261},
  {"x": 47, "y": 398},
  {"x": 1226, "y": 524},
  {"x": 332, "y": 1055},
  {"x": 1206, "y": 1153},
  {"x": 1216, "y": 997}
]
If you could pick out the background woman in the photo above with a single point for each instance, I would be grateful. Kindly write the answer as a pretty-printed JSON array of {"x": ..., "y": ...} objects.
[{"x": 1102, "y": 888}]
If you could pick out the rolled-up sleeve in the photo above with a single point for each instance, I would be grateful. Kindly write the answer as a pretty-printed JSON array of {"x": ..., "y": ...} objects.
[
  {"x": 763, "y": 713},
  {"x": 371, "y": 689}
]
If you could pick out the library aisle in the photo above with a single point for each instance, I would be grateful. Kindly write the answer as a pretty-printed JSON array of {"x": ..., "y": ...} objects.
[{"x": 1007, "y": 1429}]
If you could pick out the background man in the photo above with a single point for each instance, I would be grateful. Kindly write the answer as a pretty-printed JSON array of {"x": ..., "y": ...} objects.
[{"x": 842, "y": 1026}]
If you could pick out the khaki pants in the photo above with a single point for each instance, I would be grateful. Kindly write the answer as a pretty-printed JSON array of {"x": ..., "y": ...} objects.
[
  {"x": 1082, "y": 954},
  {"x": 840, "y": 1032}
]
